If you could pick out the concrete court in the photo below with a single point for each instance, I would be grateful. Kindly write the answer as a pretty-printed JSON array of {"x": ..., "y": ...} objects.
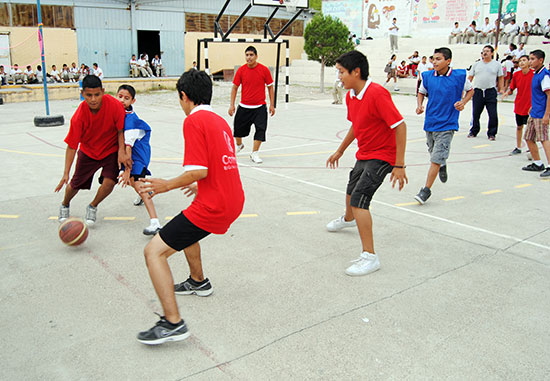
[{"x": 463, "y": 292}]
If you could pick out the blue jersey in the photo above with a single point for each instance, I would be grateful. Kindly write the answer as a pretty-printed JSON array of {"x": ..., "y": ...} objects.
[
  {"x": 141, "y": 150},
  {"x": 443, "y": 92},
  {"x": 538, "y": 96}
]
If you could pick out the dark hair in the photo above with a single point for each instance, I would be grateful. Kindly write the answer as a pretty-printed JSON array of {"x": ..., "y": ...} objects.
[
  {"x": 474, "y": 23},
  {"x": 514, "y": 20},
  {"x": 513, "y": 46},
  {"x": 538, "y": 53},
  {"x": 91, "y": 82},
  {"x": 424, "y": 57},
  {"x": 446, "y": 52},
  {"x": 393, "y": 56},
  {"x": 456, "y": 22},
  {"x": 524, "y": 56},
  {"x": 95, "y": 64},
  {"x": 353, "y": 60},
  {"x": 197, "y": 85},
  {"x": 129, "y": 89},
  {"x": 38, "y": 67},
  {"x": 29, "y": 66},
  {"x": 490, "y": 48},
  {"x": 251, "y": 49}
]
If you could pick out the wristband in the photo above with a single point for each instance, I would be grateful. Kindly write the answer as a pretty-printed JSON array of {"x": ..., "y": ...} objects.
[{"x": 400, "y": 166}]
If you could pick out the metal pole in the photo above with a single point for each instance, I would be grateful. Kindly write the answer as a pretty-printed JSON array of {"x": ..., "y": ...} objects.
[
  {"x": 498, "y": 25},
  {"x": 277, "y": 73},
  {"x": 41, "y": 41},
  {"x": 199, "y": 54}
]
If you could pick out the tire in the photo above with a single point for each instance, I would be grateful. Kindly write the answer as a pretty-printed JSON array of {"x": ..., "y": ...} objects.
[{"x": 49, "y": 121}]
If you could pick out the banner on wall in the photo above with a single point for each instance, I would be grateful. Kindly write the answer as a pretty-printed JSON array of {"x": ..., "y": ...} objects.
[
  {"x": 378, "y": 15},
  {"x": 508, "y": 6},
  {"x": 349, "y": 12}
]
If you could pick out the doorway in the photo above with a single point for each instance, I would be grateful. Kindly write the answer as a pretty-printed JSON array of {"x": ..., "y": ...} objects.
[{"x": 148, "y": 42}]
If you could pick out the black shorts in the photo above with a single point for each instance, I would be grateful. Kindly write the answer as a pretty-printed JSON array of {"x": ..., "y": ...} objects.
[
  {"x": 180, "y": 233},
  {"x": 142, "y": 175},
  {"x": 364, "y": 179},
  {"x": 245, "y": 117},
  {"x": 521, "y": 120}
]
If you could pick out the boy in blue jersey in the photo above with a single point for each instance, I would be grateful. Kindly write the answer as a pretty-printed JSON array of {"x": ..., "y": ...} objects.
[
  {"x": 445, "y": 87},
  {"x": 136, "y": 137},
  {"x": 539, "y": 115}
]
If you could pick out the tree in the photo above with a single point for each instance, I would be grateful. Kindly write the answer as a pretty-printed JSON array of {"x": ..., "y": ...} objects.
[{"x": 326, "y": 38}]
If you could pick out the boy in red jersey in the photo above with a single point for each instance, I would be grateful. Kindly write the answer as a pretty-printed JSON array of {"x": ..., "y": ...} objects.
[
  {"x": 381, "y": 136},
  {"x": 252, "y": 109},
  {"x": 97, "y": 132},
  {"x": 521, "y": 80},
  {"x": 210, "y": 161}
]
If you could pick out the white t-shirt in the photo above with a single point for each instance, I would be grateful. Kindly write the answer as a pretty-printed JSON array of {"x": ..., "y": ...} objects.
[
  {"x": 29, "y": 72},
  {"x": 141, "y": 63},
  {"x": 422, "y": 67},
  {"x": 394, "y": 30},
  {"x": 73, "y": 70},
  {"x": 486, "y": 28},
  {"x": 157, "y": 62},
  {"x": 511, "y": 28},
  {"x": 508, "y": 65},
  {"x": 456, "y": 30},
  {"x": 15, "y": 71},
  {"x": 54, "y": 73},
  {"x": 98, "y": 73},
  {"x": 133, "y": 62}
]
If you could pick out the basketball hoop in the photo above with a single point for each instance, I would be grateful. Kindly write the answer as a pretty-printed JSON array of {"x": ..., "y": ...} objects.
[{"x": 290, "y": 5}]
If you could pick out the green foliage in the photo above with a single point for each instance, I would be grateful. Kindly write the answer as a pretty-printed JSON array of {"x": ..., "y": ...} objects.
[
  {"x": 316, "y": 4},
  {"x": 326, "y": 38}
]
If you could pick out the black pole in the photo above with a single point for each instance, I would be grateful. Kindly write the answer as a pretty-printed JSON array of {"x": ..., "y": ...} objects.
[
  {"x": 267, "y": 28},
  {"x": 216, "y": 22},
  {"x": 199, "y": 54},
  {"x": 237, "y": 21},
  {"x": 277, "y": 74},
  {"x": 290, "y": 22}
]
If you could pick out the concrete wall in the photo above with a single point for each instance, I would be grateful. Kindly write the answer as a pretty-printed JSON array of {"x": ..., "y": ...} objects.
[
  {"x": 228, "y": 55},
  {"x": 59, "y": 44}
]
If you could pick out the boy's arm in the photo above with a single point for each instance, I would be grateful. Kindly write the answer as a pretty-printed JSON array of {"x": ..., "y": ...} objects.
[
  {"x": 271, "y": 92},
  {"x": 232, "y": 101},
  {"x": 398, "y": 172},
  {"x": 332, "y": 161},
  {"x": 546, "y": 117},
  {"x": 123, "y": 158},
  {"x": 160, "y": 185},
  {"x": 460, "y": 104},
  {"x": 419, "y": 102},
  {"x": 69, "y": 158}
]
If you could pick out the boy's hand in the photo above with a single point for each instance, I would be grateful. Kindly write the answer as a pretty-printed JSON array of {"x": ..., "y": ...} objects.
[
  {"x": 419, "y": 110},
  {"x": 124, "y": 179},
  {"x": 271, "y": 110},
  {"x": 153, "y": 186},
  {"x": 64, "y": 180},
  {"x": 398, "y": 174},
  {"x": 332, "y": 161},
  {"x": 459, "y": 105},
  {"x": 124, "y": 159},
  {"x": 190, "y": 190},
  {"x": 545, "y": 120},
  {"x": 231, "y": 110}
]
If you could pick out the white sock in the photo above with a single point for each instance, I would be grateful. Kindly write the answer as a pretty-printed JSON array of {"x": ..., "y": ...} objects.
[
  {"x": 155, "y": 221},
  {"x": 538, "y": 162}
]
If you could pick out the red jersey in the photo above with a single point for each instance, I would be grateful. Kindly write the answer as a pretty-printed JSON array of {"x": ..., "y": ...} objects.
[
  {"x": 97, "y": 134},
  {"x": 220, "y": 196},
  {"x": 522, "y": 82},
  {"x": 253, "y": 81},
  {"x": 374, "y": 117}
]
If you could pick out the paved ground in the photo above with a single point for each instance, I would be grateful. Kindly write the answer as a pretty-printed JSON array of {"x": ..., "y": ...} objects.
[{"x": 463, "y": 292}]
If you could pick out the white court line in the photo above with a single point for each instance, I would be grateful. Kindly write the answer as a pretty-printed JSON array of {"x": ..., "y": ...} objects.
[{"x": 519, "y": 240}]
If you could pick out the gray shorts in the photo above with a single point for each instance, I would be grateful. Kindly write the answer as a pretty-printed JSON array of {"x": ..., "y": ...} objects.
[{"x": 439, "y": 145}]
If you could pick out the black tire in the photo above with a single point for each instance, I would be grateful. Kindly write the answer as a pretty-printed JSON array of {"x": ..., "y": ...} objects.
[{"x": 49, "y": 121}]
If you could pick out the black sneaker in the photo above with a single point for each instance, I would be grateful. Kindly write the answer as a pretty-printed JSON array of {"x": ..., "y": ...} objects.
[
  {"x": 164, "y": 331},
  {"x": 443, "y": 173},
  {"x": 516, "y": 151},
  {"x": 546, "y": 173},
  {"x": 534, "y": 168},
  {"x": 190, "y": 287},
  {"x": 423, "y": 195}
]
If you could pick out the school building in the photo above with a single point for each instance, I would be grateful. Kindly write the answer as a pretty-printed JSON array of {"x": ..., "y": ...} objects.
[{"x": 108, "y": 32}]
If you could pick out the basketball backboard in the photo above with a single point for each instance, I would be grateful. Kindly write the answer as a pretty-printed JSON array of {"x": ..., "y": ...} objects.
[{"x": 300, "y": 4}]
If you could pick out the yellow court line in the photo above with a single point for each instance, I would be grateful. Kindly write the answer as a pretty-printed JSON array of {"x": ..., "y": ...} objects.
[
  {"x": 31, "y": 153},
  {"x": 544, "y": 179},
  {"x": 9, "y": 216},
  {"x": 301, "y": 213},
  {"x": 168, "y": 218},
  {"x": 492, "y": 191},
  {"x": 453, "y": 198},
  {"x": 482, "y": 146},
  {"x": 248, "y": 215},
  {"x": 522, "y": 186},
  {"x": 119, "y": 218},
  {"x": 407, "y": 203},
  {"x": 53, "y": 218}
]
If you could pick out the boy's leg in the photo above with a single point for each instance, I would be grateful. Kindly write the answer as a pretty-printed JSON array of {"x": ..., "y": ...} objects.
[
  {"x": 241, "y": 124},
  {"x": 69, "y": 194},
  {"x": 104, "y": 190},
  {"x": 432, "y": 174},
  {"x": 156, "y": 257},
  {"x": 546, "y": 147},
  {"x": 193, "y": 256},
  {"x": 533, "y": 149},
  {"x": 364, "y": 225},
  {"x": 148, "y": 201}
]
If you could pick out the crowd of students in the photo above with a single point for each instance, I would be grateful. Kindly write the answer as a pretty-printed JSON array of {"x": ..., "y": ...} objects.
[
  {"x": 142, "y": 68},
  {"x": 29, "y": 76},
  {"x": 508, "y": 33}
]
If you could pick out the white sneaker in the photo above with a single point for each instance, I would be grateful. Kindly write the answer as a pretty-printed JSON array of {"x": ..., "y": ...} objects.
[
  {"x": 365, "y": 264},
  {"x": 64, "y": 213},
  {"x": 255, "y": 157},
  {"x": 91, "y": 214},
  {"x": 138, "y": 201},
  {"x": 396, "y": 89},
  {"x": 339, "y": 224},
  {"x": 152, "y": 229},
  {"x": 239, "y": 148}
]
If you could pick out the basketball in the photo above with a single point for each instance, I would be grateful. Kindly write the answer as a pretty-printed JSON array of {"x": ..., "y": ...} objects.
[{"x": 73, "y": 232}]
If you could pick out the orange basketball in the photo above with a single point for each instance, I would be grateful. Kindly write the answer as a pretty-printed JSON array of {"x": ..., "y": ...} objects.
[{"x": 73, "y": 231}]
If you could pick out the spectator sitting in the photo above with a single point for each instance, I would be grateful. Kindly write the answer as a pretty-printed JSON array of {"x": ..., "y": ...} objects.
[
  {"x": 134, "y": 71},
  {"x": 16, "y": 75},
  {"x": 54, "y": 74},
  {"x": 470, "y": 32},
  {"x": 510, "y": 32},
  {"x": 97, "y": 71},
  {"x": 413, "y": 64},
  {"x": 536, "y": 29},
  {"x": 510, "y": 51},
  {"x": 65, "y": 73},
  {"x": 402, "y": 70},
  {"x": 30, "y": 77},
  {"x": 523, "y": 33},
  {"x": 486, "y": 33},
  {"x": 39, "y": 74},
  {"x": 73, "y": 72},
  {"x": 83, "y": 71},
  {"x": 519, "y": 52},
  {"x": 144, "y": 70},
  {"x": 157, "y": 65},
  {"x": 456, "y": 33},
  {"x": 3, "y": 76},
  {"x": 547, "y": 29}
]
